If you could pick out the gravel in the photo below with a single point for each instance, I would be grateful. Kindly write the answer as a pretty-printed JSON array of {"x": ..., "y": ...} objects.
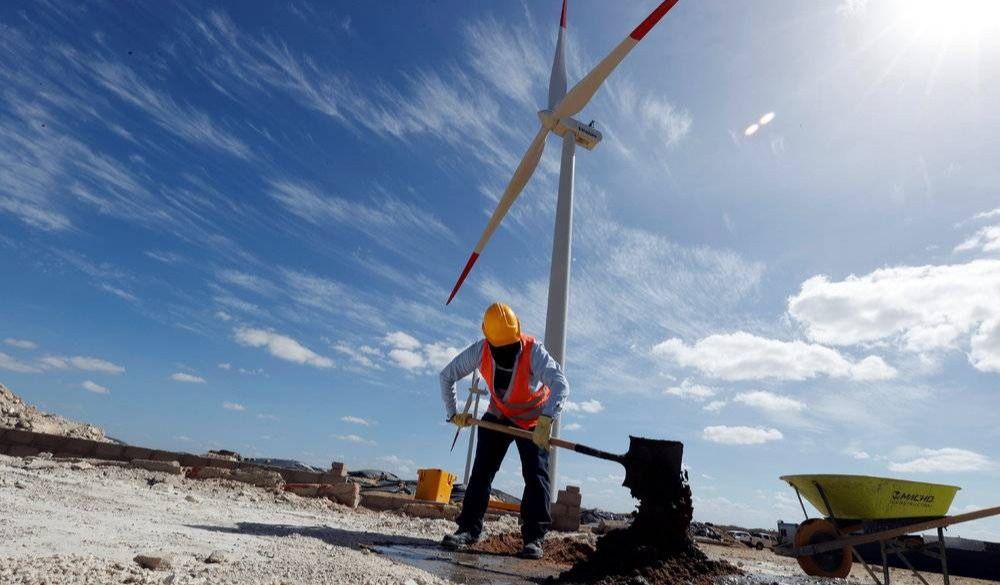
[{"x": 82, "y": 526}]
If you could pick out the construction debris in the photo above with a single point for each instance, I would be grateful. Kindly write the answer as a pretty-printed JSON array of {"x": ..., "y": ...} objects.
[
  {"x": 558, "y": 550},
  {"x": 157, "y": 562},
  {"x": 566, "y": 511},
  {"x": 17, "y": 414},
  {"x": 171, "y": 467}
]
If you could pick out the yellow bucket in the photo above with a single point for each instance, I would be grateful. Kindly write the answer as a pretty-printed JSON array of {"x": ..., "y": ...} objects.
[
  {"x": 434, "y": 485},
  {"x": 861, "y": 497}
]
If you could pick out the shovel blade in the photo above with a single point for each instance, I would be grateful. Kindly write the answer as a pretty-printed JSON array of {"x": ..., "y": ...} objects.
[{"x": 653, "y": 467}]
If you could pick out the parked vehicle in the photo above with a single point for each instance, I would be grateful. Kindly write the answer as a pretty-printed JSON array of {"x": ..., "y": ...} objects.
[
  {"x": 741, "y": 537},
  {"x": 762, "y": 540}
]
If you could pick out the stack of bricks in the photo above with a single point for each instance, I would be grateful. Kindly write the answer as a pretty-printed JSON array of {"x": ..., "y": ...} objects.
[
  {"x": 566, "y": 511},
  {"x": 332, "y": 484}
]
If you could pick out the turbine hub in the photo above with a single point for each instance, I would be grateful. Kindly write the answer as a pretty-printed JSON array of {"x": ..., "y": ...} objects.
[{"x": 586, "y": 135}]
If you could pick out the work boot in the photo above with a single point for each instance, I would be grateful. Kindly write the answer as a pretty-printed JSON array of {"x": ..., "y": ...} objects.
[
  {"x": 460, "y": 540},
  {"x": 532, "y": 550}
]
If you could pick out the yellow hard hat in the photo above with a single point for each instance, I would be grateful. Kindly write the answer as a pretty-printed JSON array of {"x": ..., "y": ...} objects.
[{"x": 500, "y": 325}]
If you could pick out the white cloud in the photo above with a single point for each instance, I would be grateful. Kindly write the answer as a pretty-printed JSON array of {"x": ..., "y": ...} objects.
[
  {"x": 223, "y": 316},
  {"x": 354, "y": 439},
  {"x": 947, "y": 460},
  {"x": 188, "y": 378},
  {"x": 233, "y": 406},
  {"x": 402, "y": 340},
  {"x": 858, "y": 454},
  {"x": 357, "y": 420},
  {"x": 406, "y": 359},
  {"x": 922, "y": 308},
  {"x": 743, "y": 356},
  {"x": 87, "y": 364},
  {"x": 573, "y": 426},
  {"x": 690, "y": 390},
  {"x": 20, "y": 343},
  {"x": 985, "y": 240},
  {"x": 587, "y": 406},
  {"x": 9, "y": 363},
  {"x": 715, "y": 406},
  {"x": 251, "y": 282},
  {"x": 852, "y": 7},
  {"x": 770, "y": 402},
  {"x": 94, "y": 387},
  {"x": 410, "y": 354},
  {"x": 281, "y": 346},
  {"x": 740, "y": 435},
  {"x": 225, "y": 366},
  {"x": 361, "y": 356}
]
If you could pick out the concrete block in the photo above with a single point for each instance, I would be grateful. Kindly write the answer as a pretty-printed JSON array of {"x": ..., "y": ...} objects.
[
  {"x": 306, "y": 490},
  {"x": 574, "y": 489},
  {"x": 109, "y": 451},
  {"x": 431, "y": 510},
  {"x": 385, "y": 500},
  {"x": 570, "y": 498},
  {"x": 210, "y": 473},
  {"x": 132, "y": 452},
  {"x": 568, "y": 520},
  {"x": 48, "y": 442},
  {"x": 338, "y": 468},
  {"x": 158, "y": 455},
  {"x": 332, "y": 478},
  {"x": 22, "y": 451},
  {"x": 189, "y": 460},
  {"x": 557, "y": 509},
  {"x": 20, "y": 437},
  {"x": 221, "y": 463},
  {"x": 348, "y": 494},
  {"x": 171, "y": 467},
  {"x": 78, "y": 446},
  {"x": 258, "y": 477}
]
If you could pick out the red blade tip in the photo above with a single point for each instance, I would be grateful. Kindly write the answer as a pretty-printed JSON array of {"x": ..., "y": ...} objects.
[
  {"x": 461, "y": 278},
  {"x": 651, "y": 20},
  {"x": 562, "y": 19}
]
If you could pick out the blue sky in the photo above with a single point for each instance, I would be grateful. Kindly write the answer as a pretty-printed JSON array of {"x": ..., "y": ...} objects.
[{"x": 234, "y": 225}]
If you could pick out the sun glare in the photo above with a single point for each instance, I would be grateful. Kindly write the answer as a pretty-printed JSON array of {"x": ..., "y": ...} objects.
[{"x": 949, "y": 19}]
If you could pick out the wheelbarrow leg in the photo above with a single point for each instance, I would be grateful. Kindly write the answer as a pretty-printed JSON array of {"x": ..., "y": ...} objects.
[
  {"x": 885, "y": 562},
  {"x": 857, "y": 558},
  {"x": 944, "y": 556}
]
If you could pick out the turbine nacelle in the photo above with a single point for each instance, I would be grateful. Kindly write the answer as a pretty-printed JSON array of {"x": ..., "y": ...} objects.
[{"x": 586, "y": 135}]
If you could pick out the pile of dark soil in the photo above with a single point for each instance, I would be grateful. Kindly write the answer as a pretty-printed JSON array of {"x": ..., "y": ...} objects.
[
  {"x": 558, "y": 551},
  {"x": 620, "y": 560},
  {"x": 656, "y": 548}
]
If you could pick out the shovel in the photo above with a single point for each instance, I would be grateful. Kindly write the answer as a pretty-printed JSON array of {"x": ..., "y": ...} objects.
[{"x": 652, "y": 466}]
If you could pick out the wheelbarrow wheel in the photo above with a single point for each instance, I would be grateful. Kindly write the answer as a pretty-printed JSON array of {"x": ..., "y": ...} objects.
[{"x": 834, "y": 563}]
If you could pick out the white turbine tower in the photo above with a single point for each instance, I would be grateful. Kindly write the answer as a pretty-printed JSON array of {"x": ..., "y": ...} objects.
[{"x": 557, "y": 118}]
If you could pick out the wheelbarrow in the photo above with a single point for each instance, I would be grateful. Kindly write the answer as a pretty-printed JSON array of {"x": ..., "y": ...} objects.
[{"x": 861, "y": 510}]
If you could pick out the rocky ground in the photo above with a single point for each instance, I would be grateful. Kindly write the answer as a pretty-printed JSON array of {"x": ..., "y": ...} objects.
[
  {"x": 76, "y": 523},
  {"x": 17, "y": 414}
]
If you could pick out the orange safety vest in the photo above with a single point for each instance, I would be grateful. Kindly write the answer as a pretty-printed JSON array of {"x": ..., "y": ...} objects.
[{"x": 522, "y": 405}]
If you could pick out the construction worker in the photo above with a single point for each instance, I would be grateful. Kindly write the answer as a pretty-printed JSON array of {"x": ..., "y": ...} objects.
[{"x": 527, "y": 391}]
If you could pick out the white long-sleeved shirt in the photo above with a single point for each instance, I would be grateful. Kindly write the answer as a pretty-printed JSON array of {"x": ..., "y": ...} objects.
[{"x": 544, "y": 370}]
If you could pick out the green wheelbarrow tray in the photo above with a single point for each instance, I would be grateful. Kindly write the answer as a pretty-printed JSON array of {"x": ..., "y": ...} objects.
[{"x": 862, "y": 497}]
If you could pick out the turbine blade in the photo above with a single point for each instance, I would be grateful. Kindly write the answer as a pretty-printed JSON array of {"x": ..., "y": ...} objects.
[
  {"x": 517, "y": 182},
  {"x": 581, "y": 93},
  {"x": 557, "y": 81}
]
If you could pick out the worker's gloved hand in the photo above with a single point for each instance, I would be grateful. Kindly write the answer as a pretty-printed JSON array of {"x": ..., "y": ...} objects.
[
  {"x": 543, "y": 432},
  {"x": 462, "y": 419}
]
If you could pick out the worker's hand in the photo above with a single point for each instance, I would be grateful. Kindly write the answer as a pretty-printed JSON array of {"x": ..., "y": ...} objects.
[
  {"x": 543, "y": 432},
  {"x": 462, "y": 419}
]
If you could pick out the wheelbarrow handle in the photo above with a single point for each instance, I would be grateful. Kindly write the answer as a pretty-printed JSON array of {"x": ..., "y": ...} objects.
[{"x": 555, "y": 442}]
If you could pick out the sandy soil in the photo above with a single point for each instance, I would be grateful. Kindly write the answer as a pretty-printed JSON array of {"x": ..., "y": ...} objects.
[
  {"x": 66, "y": 523},
  {"x": 765, "y": 563}
]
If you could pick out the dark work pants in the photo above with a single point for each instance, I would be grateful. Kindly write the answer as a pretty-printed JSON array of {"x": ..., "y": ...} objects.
[{"x": 491, "y": 447}]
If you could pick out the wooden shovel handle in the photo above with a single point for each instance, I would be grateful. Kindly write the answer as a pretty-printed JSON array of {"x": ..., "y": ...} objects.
[
  {"x": 520, "y": 433},
  {"x": 523, "y": 434}
]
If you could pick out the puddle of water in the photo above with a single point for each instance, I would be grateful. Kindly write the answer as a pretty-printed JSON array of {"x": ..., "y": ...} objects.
[{"x": 468, "y": 568}]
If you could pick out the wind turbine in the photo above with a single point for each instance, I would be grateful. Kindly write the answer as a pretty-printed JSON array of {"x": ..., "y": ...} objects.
[{"x": 558, "y": 118}]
